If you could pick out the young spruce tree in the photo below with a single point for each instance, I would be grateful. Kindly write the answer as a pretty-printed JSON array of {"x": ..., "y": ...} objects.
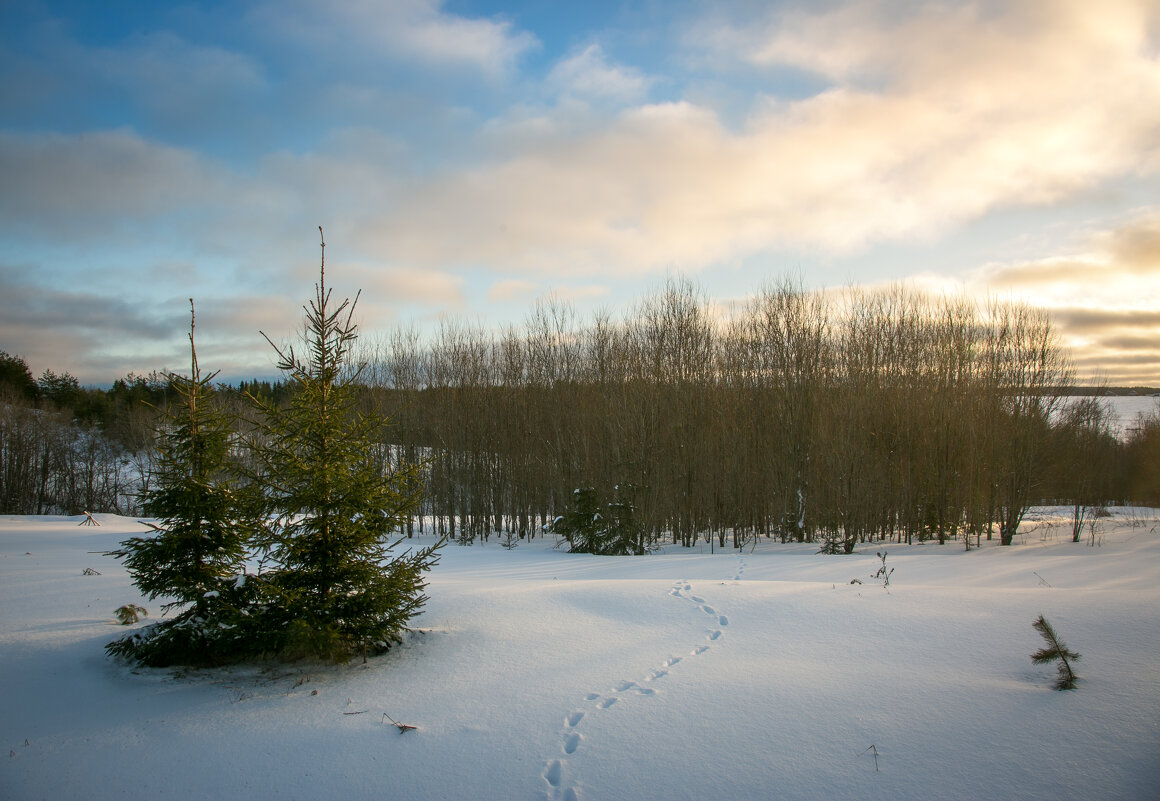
[
  {"x": 337, "y": 589},
  {"x": 608, "y": 531},
  {"x": 195, "y": 558}
]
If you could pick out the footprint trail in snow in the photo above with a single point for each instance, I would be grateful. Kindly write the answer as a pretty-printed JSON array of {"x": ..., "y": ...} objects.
[{"x": 559, "y": 777}]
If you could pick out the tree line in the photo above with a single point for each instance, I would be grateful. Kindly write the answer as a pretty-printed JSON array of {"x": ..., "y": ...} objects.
[
  {"x": 66, "y": 448},
  {"x": 802, "y": 415},
  {"x": 828, "y": 417}
]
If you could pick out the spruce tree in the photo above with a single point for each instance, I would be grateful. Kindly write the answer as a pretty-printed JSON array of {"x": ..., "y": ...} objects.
[
  {"x": 337, "y": 588},
  {"x": 195, "y": 559},
  {"x": 608, "y": 531}
]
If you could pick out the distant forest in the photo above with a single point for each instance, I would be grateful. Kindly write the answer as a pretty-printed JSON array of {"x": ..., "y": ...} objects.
[{"x": 834, "y": 418}]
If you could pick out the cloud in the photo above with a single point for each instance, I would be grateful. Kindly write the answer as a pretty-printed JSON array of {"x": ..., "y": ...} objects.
[
  {"x": 921, "y": 119},
  {"x": 1093, "y": 321},
  {"x": 418, "y": 30},
  {"x": 100, "y": 334},
  {"x": 1115, "y": 328},
  {"x": 79, "y": 331},
  {"x": 403, "y": 286},
  {"x": 1136, "y": 247},
  {"x": 969, "y": 113},
  {"x": 59, "y": 183},
  {"x": 587, "y": 73}
]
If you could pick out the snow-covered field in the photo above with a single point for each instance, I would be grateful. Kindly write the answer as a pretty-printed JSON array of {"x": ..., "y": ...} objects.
[{"x": 681, "y": 675}]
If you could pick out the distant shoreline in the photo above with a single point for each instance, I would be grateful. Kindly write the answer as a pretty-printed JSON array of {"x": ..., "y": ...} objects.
[{"x": 1141, "y": 392}]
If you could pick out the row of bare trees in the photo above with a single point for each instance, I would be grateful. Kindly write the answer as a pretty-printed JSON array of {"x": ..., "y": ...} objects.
[
  {"x": 51, "y": 464},
  {"x": 806, "y": 416},
  {"x": 809, "y": 416}
]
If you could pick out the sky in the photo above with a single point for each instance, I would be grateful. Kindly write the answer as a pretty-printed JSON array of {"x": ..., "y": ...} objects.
[{"x": 467, "y": 159}]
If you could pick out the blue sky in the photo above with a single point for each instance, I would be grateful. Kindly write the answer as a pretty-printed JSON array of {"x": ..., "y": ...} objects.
[{"x": 468, "y": 158}]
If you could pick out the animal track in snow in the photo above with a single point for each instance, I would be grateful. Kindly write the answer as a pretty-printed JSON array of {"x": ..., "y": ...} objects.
[
  {"x": 562, "y": 786},
  {"x": 740, "y": 568}
]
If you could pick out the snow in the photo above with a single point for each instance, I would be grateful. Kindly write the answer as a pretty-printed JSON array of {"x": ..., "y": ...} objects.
[{"x": 680, "y": 675}]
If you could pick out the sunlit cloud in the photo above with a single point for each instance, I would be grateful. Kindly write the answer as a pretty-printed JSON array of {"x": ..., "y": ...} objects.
[
  {"x": 968, "y": 115},
  {"x": 1105, "y": 299},
  {"x": 404, "y": 286}
]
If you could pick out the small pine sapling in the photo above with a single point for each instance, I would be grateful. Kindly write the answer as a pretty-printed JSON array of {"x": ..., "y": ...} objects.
[
  {"x": 1056, "y": 649},
  {"x": 129, "y": 613}
]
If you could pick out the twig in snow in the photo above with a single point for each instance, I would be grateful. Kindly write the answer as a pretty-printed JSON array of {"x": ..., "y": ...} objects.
[
  {"x": 1042, "y": 580},
  {"x": 402, "y": 727},
  {"x": 873, "y": 749}
]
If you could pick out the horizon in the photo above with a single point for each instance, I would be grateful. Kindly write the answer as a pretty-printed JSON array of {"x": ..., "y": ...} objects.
[{"x": 470, "y": 158}]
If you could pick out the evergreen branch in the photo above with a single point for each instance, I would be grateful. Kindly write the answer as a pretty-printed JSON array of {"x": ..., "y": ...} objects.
[{"x": 1056, "y": 650}]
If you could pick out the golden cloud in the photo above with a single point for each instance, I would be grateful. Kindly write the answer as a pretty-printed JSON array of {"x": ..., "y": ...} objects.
[{"x": 968, "y": 112}]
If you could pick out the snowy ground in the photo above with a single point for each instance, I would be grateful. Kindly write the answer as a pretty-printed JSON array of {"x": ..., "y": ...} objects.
[{"x": 683, "y": 675}]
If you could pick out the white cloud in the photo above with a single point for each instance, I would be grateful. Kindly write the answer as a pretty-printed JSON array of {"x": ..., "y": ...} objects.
[
  {"x": 587, "y": 73},
  {"x": 402, "y": 29}
]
